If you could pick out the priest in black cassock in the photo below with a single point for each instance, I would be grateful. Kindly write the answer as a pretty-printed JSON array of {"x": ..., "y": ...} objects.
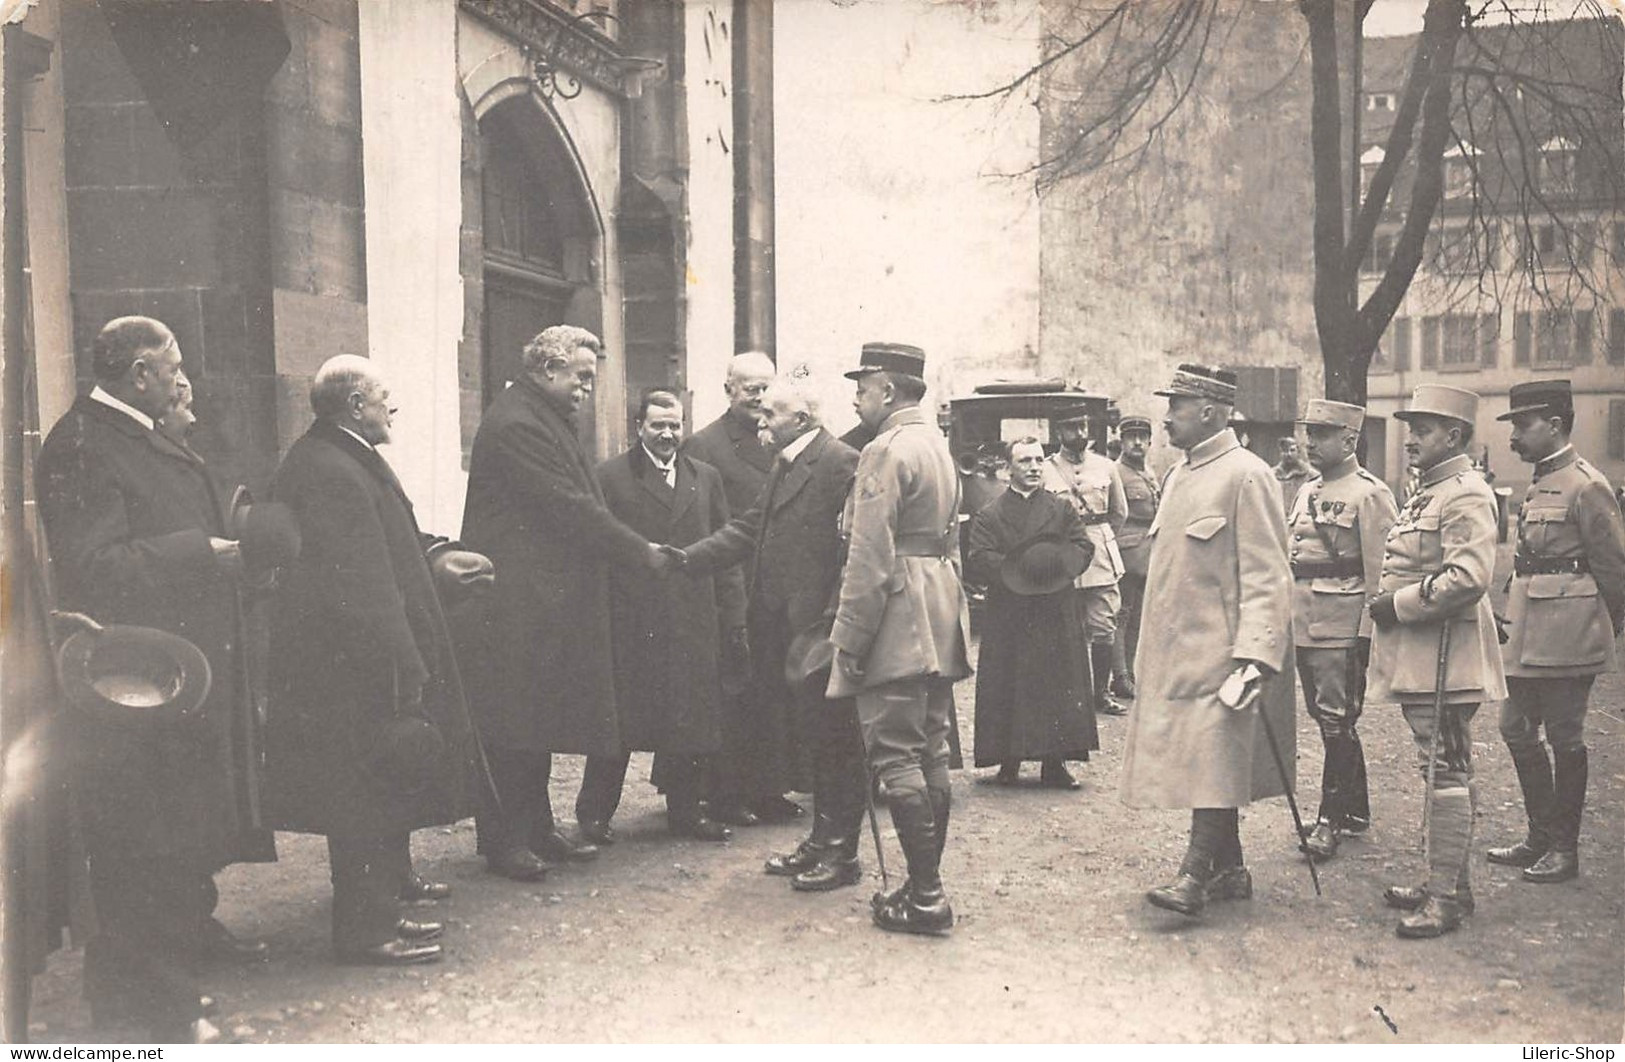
[{"x": 1033, "y": 693}]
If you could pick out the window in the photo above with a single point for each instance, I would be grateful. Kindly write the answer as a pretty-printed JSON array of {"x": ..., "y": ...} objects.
[
  {"x": 1430, "y": 342},
  {"x": 1489, "y": 339},
  {"x": 1616, "y": 337},
  {"x": 1557, "y": 158},
  {"x": 1461, "y": 347},
  {"x": 1522, "y": 339},
  {"x": 1585, "y": 322},
  {"x": 1458, "y": 178},
  {"x": 1379, "y": 101},
  {"x": 1546, "y": 240},
  {"x": 1617, "y": 248},
  {"x": 1554, "y": 339},
  {"x": 1584, "y": 242},
  {"x": 1380, "y": 253},
  {"x": 1400, "y": 330},
  {"x": 1616, "y": 428}
]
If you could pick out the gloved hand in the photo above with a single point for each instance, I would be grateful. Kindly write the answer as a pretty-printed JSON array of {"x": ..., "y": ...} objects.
[{"x": 1383, "y": 613}]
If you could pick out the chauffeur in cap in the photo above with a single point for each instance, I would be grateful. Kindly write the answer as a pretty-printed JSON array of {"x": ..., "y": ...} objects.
[
  {"x": 1091, "y": 482},
  {"x": 900, "y": 628},
  {"x": 1221, "y": 593},
  {"x": 1337, "y": 525},
  {"x": 1433, "y": 603},
  {"x": 1141, "y": 492},
  {"x": 1564, "y": 610}
]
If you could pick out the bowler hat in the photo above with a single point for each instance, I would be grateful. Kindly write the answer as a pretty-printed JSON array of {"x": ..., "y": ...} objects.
[
  {"x": 459, "y": 574},
  {"x": 1201, "y": 381},
  {"x": 890, "y": 357},
  {"x": 1539, "y": 396},
  {"x": 407, "y": 754},
  {"x": 266, "y": 532},
  {"x": 1441, "y": 400},
  {"x": 133, "y": 676},
  {"x": 1333, "y": 414},
  {"x": 1044, "y": 564}
]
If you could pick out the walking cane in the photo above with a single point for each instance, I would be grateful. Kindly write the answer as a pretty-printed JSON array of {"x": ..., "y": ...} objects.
[
  {"x": 874, "y": 830},
  {"x": 1280, "y": 766},
  {"x": 1433, "y": 740}
]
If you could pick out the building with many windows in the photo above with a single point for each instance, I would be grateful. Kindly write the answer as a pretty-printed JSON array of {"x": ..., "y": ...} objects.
[{"x": 1523, "y": 273}]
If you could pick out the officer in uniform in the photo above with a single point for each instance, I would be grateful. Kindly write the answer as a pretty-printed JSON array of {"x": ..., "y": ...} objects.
[
  {"x": 1564, "y": 610},
  {"x": 900, "y": 628},
  {"x": 1432, "y": 614},
  {"x": 1091, "y": 481},
  {"x": 1337, "y": 527},
  {"x": 1141, "y": 493}
]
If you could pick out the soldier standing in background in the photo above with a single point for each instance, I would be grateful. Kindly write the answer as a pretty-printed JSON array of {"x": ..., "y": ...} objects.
[
  {"x": 1436, "y": 570},
  {"x": 1336, "y": 530},
  {"x": 1141, "y": 492},
  {"x": 1565, "y": 608},
  {"x": 1291, "y": 471},
  {"x": 1092, "y": 483}
]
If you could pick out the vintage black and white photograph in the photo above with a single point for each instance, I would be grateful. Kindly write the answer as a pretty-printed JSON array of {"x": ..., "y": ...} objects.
[{"x": 812, "y": 522}]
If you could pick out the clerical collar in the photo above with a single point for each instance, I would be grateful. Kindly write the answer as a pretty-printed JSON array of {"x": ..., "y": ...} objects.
[
  {"x": 1025, "y": 493},
  {"x": 99, "y": 395},
  {"x": 669, "y": 466},
  {"x": 793, "y": 448},
  {"x": 357, "y": 437}
]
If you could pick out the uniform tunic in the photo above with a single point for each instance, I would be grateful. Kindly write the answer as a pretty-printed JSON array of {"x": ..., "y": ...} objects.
[
  {"x": 1563, "y": 624},
  {"x": 1140, "y": 494},
  {"x": 1096, "y": 491},
  {"x": 1032, "y": 683},
  {"x": 1437, "y": 562},
  {"x": 1339, "y": 521},
  {"x": 1219, "y": 590}
]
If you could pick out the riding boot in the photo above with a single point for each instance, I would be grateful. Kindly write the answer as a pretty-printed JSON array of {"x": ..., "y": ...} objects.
[
  {"x": 922, "y": 907},
  {"x": 1357, "y": 797},
  {"x": 1121, "y": 683},
  {"x": 1100, "y": 671},
  {"x": 1535, "y": 779},
  {"x": 941, "y": 808},
  {"x": 1562, "y": 861}
]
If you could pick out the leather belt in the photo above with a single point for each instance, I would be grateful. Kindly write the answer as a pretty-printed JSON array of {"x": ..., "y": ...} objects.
[
  {"x": 1342, "y": 568},
  {"x": 923, "y": 546},
  {"x": 1096, "y": 518},
  {"x": 1549, "y": 565}
]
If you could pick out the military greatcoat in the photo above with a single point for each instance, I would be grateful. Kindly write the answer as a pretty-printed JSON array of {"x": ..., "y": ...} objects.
[
  {"x": 1437, "y": 562},
  {"x": 1566, "y": 603},
  {"x": 1219, "y": 590}
]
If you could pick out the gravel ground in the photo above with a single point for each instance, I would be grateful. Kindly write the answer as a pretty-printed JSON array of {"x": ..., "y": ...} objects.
[{"x": 662, "y": 939}]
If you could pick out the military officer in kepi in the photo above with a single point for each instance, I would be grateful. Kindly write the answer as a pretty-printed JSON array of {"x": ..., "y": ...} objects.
[
  {"x": 1336, "y": 530},
  {"x": 1565, "y": 607},
  {"x": 1432, "y": 617}
]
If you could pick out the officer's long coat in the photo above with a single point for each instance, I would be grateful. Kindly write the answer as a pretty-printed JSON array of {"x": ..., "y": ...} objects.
[
  {"x": 1032, "y": 674},
  {"x": 669, "y": 629},
  {"x": 356, "y": 627},
  {"x": 1437, "y": 562},
  {"x": 541, "y": 668},
  {"x": 129, "y": 515},
  {"x": 1218, "y": 589},
  {"x": 1565, "y": 623},
  {"x": 902, "y": 611}
]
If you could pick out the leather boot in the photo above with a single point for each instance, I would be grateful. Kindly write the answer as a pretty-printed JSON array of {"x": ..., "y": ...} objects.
[
  {"x": 1411, "y": 897},
  {"x": 1535, "y": 779},
  {"x": 1357, "y": 801},
  {"x": 1562, "y": 862},
  {"x": 1450, "y": 838},
  {"x": 1100, "y": 670},
  {"x": 922, "y": 907},
  {"x": 1122, "y": 684},
  {"x": 1187, "y": 893},
  {"x": 942, "y": 803},
  {"x": 1321, "y": 844},
  {"x": 837, "y": 867}
]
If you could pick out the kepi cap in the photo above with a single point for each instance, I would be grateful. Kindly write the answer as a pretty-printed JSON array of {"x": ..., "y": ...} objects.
[
  {"x": 1071, "y": 414},
  {"x": 1201, "y": 381},
  {"x": 1333, "y": 414},
  {"x": 1134, "y": 423},
  {"x": 890, "y": 357},
  {"x": 1539, "y": 396},
  {"x": 1441, "y": 400}
]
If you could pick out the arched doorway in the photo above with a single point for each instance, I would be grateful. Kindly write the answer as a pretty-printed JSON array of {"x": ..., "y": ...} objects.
[{"x": 539, "y": 239}]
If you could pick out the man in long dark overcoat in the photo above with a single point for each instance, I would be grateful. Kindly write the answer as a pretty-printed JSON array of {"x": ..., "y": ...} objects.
[
  {"x": 761, "y": 757},
  {"x": 1033, "y": 692},
  {"x": 138, "y": 536},
  {"x": 790, "y": 538},
  {"x": 544, "y": 658},
  {"x": 369, "y": 736},
  {"x": 668, "y": 629}
]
